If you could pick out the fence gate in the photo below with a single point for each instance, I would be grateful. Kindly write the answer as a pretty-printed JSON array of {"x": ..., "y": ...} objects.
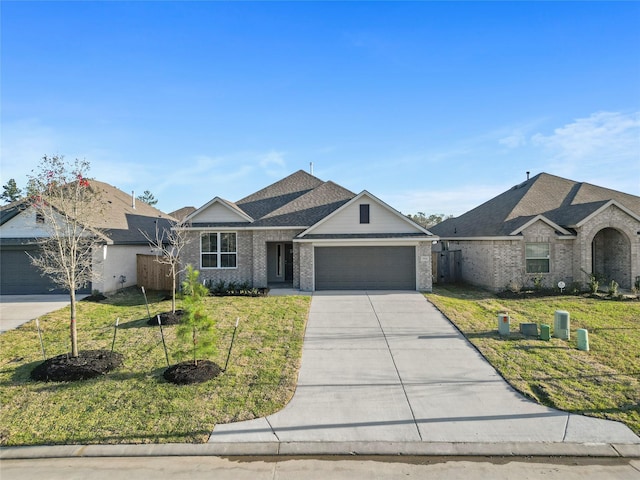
[
  {"x": 151, "y": 274},
  {"x": 447, "y": 266}
]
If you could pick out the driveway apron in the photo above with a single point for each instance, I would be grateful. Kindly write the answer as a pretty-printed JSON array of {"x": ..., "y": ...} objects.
[{"x": 389, "y": 367}]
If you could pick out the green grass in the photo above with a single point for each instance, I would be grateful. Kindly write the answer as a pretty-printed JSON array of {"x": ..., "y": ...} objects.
[
  {"x": 604, "y": 382},
  {"x": 134, "y": 404}
]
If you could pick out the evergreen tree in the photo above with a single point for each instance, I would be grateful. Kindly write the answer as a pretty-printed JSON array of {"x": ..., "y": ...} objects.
[
  {"x": 148, "y": 198},
  {"x": 11, "y": 192}
]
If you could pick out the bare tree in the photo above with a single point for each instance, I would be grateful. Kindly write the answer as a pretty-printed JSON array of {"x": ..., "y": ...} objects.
[
  {"x": 65, "y": 204},
  {"x": 169, "y": 243}
]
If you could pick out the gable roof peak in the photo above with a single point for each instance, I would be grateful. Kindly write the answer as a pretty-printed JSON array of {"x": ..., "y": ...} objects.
[{"x": 278, "y": 194}]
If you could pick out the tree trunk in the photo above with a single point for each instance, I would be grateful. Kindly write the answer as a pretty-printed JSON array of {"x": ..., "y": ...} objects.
[
  {"x": 72, "y": 326},
  {"x": 173, "y": 292}
]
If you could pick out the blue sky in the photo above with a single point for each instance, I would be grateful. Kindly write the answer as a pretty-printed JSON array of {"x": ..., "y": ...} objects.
[{"x": 431, "y": 106}]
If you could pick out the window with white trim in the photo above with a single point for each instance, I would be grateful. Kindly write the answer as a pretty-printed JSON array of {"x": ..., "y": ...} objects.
[
  {"x": 218, "y": 250},
  {"x": 537, "y": 257}
]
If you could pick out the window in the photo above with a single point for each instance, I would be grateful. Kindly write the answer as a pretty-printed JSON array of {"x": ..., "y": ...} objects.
[
  {"x": 364, "y": 213},
  {"x": 39, "y": 218},
  {"x": 279, "y": 260},
  {"x": 537, "y": 257},
  {"x": 218, "y": 250}
]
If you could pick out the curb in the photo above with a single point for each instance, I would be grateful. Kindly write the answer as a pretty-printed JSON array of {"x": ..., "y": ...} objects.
[{"x": 514, "y": 449}]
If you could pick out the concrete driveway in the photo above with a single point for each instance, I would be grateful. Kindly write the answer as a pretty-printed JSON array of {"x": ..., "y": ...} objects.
[
  {"x": 389, "y": 367},
  {"x": 18, "y": 309}
]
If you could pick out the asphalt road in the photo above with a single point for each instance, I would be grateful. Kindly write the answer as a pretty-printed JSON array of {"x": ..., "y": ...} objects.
[{"x": 322, "y": 468}]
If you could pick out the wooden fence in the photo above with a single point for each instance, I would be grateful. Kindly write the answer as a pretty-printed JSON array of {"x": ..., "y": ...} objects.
[
  {"x": 447, "y": 266},
  {"x": 151, "y": 274}
]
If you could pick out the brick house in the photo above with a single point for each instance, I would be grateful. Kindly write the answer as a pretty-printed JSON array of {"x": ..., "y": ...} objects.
[
  {"x": 547, "y": 227},
  {"x": 305, "y": 233}
]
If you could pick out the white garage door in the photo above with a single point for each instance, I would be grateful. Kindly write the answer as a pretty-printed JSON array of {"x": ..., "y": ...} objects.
[{"x": 365, "y": 268}]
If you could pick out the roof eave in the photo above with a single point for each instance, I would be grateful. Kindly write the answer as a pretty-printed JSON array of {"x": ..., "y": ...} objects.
[
  {"x": 604, "y": 207},
  {"x": 544, "y": 219},
  {"x": 356, "y": 199}
]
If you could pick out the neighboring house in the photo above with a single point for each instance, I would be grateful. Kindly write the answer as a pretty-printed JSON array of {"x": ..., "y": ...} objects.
[
  {"x": 550, "y": 228},
  {"x": 119, "y": 220},
  {"x": 182, "y": 213},
  {"x": 308, "y": 234}
]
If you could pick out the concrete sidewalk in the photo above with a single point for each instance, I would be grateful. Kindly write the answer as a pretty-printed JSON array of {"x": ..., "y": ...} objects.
[
  {"x": 16, "y": 310},
  {"x": 389, "y": 367}
]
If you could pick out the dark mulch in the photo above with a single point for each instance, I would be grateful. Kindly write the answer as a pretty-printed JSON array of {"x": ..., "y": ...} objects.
[
  {"x": 187, "y": 372},
  {"x": 508, "y": 294},
  {"x": 167, "y": 318},
  {"x": 88, "y": 364},
  {"x": 96, "y": 297}
]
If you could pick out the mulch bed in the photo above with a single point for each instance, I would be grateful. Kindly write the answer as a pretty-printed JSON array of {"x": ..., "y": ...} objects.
[
  {"x": 88, "y": 364},
  {"x": 188, "y": 372},
  {"x": 96, "y": 297},
  {"x": 167, "y": 318}
]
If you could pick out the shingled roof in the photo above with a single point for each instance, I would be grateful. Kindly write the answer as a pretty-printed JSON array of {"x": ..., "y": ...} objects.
[
  {"x": 118, "y": 215},
  {"x": 299, "y": 200},
  {"x": 563, "y": 202},
  {"x": 277, "y": 195},
  {"x": 121, "y": 218}
]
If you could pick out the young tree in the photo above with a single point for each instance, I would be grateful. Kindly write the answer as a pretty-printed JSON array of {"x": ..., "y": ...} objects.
[
  {"x": 11, "y": 192},
  {"x": 196, "y": 326},
  {"x": 169, "y": 244},
  {"x": 65, "y": 203},
  {"x": 148, "y": 198}
]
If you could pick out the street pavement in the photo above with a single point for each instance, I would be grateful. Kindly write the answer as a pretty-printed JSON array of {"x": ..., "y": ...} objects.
[{"x": 323, "y": 468}]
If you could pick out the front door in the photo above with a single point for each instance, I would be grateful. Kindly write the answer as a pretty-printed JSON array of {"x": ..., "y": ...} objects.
[
  {"x": 288, "y": 262},
  {"x": 280, "y": 262}
]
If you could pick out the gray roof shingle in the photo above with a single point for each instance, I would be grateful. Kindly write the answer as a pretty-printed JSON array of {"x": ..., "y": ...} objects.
[
  {"x": 564, "y": 202},
  {"x": 299, "y": 200},
  {"x": 115, "y": 215},
  {"x": 275, "y": 196}
]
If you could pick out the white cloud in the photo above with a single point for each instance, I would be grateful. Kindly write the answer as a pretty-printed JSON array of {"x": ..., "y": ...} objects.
[
  {"x": 604, "y": 139},
  {"x": 515, "y": 140},
  {"x": 273, "y": 163}
]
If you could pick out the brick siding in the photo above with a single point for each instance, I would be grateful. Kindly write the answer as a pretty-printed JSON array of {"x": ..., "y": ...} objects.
[{"x": 499, "y": 264}]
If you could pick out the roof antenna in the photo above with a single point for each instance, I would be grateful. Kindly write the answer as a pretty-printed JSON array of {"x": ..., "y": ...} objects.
[
  {"x": 528, "y": 175},
  {"x": 311, "y": 168},
  {"x": 133, "y": 199}
]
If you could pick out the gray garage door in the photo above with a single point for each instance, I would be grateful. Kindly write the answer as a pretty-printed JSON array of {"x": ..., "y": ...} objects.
[
  {"x": 19, "y": 277},
  {"x": 371, "y": 268}
]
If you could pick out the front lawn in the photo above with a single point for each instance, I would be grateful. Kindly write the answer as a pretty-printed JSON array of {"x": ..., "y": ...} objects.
[
  {"x": 134, "y": 404},
  {"x": 604, "y": 382}
]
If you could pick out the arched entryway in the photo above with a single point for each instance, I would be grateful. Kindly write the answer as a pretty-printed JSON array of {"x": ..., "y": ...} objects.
[{"x": 611, "y": 256}]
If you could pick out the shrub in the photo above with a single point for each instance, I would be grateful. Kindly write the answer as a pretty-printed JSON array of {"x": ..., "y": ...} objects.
[{"x": 538, "y": 282}]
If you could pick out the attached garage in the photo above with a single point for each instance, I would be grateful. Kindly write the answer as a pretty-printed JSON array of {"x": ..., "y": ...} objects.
[
  {"x": 365, "y": 268},
  {"x": 19, "y": 277}
]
